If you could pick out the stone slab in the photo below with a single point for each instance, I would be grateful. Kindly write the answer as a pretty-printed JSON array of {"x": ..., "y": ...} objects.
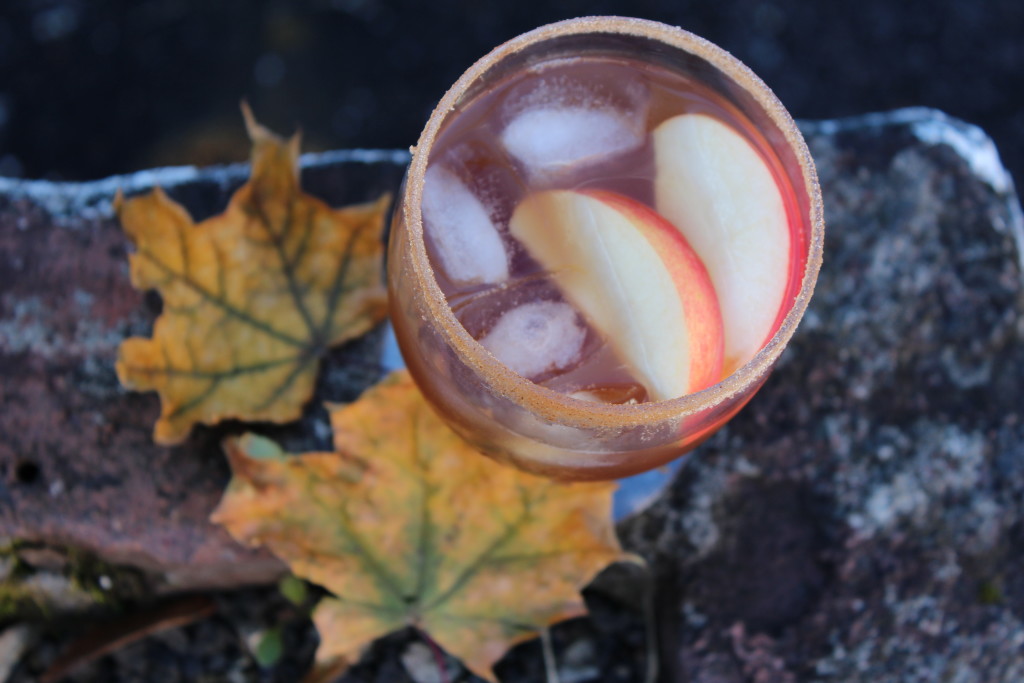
[{"x": 861, "y": 520}]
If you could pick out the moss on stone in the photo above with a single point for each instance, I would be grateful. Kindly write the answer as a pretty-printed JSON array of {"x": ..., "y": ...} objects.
[{"x": 82, "y": 582}]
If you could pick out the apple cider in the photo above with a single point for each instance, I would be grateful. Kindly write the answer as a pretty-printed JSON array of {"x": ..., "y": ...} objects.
[
  {"x": 607, "y": 235},
  {"x": 567, "y": 243}
]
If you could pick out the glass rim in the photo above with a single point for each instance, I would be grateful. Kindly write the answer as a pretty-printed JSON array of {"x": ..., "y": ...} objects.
[{"x": 547, "y": 403}]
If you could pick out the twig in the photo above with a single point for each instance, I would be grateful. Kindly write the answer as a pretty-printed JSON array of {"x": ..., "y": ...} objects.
[
  {"x": 550, "y": 668},
  {"x": 435, "y": 649},
  {"x": 114, "y": 635},
  {"x": 650, "y": 631}
]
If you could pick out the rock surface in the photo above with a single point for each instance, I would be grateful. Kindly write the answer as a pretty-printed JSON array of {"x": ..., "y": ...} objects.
[
  {"x": 861, "y": 520},
  {"x": 78, "y": 468}
]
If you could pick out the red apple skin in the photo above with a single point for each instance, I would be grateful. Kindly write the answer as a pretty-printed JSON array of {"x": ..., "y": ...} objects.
[
  {"x": 696, "y": 291},
  {"x": 713, "y": 184},
  {"x": 636, "y": 280}
]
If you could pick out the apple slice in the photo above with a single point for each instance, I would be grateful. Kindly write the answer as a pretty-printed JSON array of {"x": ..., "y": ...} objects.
[
  {"x": 634, "y": 278},
  {"x": 716, "y": 189}
]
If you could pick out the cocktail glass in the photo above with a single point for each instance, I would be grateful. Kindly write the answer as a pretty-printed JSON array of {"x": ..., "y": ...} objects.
[{"x": 514, "y": 420}]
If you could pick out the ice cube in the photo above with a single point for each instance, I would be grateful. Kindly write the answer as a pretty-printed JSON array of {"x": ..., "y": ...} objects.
[
  {"x": 572, "y": 117},
  {"x": 547, "y": 140},
  {"x": 537, "y": 337},
  {"x": 461, "y": 229},
  {"x": 482, "y": 165}
]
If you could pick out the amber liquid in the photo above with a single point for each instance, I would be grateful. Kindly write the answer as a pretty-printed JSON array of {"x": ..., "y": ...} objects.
[{"x": 470, "y": 147}]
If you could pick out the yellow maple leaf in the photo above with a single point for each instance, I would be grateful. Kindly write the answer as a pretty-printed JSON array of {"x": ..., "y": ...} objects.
[
  {"x": 252, "y": 297},
  {"x": 407, "y": 525}
]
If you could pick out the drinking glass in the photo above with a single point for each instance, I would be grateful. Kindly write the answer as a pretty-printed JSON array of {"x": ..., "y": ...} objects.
[{"x": 519, "y": 422}]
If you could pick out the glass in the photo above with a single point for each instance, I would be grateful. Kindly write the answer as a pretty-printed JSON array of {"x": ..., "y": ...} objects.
[{"x": 509, "y": 417}]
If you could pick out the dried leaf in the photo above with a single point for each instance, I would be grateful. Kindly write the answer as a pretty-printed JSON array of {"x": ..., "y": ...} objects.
[
  {"x": 407, "y": 525},
  {"x": 251, "y": 297}
]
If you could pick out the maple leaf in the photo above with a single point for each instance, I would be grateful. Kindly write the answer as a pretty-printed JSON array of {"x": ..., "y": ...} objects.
[
  {"x": 252, "y": 297},
  {"x": 407, "y": 525}
]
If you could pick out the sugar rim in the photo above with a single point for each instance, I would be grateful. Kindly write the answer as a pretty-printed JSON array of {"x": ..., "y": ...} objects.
[{"x": 561, "y": 408}]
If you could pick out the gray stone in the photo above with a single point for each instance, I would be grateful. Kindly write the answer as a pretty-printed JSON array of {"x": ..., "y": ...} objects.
[
  {"x": 78, "y": 470},
  {"x": 860, "y": 520}
]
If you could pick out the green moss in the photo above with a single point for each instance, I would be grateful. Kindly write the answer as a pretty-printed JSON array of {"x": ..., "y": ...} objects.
[
  {"x": 18, "y": 602},
  {"x": 109, "y": 585},
  {"x": 84, "y": 582},
  {"x": 9, "y": 551},
  {"x": 990, "y": 592}
]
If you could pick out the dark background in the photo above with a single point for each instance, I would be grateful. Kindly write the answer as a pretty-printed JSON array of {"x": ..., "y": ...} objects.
[{"x": 93, "y": 88}]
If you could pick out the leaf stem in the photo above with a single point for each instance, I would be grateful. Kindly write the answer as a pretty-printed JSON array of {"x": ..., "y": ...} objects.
[{"x": 435, "y": 649}]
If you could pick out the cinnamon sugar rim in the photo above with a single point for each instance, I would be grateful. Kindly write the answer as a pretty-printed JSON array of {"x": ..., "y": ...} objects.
[{"x": 561, "y": 408}]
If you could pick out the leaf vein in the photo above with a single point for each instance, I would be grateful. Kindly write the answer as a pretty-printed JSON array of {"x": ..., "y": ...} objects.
[
  {"x": 224, "y": 305},
  {"x": 361, "y": 549},
  {"x": 473, "y": 568},
  {"x": 338, "y": 285},
  {"x": 172, "y": 371},
  {"x": 287, "y": 267}
]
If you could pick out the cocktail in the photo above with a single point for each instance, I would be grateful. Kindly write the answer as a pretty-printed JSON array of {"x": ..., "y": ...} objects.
[{"x": 608, "y": 233}]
